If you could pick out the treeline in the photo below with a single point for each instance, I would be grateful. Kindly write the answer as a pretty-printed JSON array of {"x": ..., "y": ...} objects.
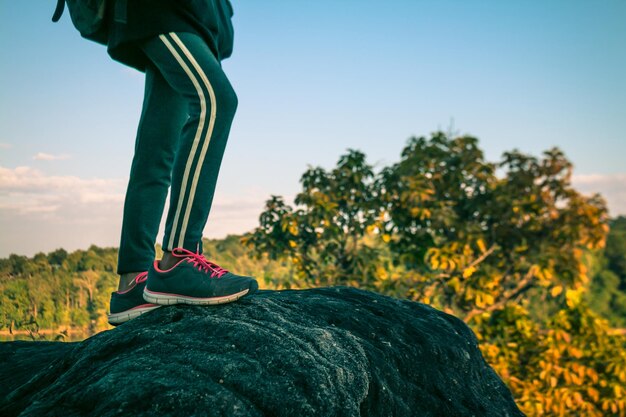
[
  {"x": 57, "y": 290},
  {"x": 536, "y": 269},
  {"x": 71, "y": 291},
  {"x": 62, "y": 290}
]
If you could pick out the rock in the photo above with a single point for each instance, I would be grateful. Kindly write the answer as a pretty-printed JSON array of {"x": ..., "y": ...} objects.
[{"x": 321, "y": 352}]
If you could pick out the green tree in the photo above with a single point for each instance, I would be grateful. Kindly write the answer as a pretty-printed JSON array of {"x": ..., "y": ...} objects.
[
  {"x": 616, "y": 250},
  {"x": 471, "y": 241},
  {"x": 323, "y": 238},
  {"x": 607, "y": 295},
  {"x": 489, "y": 242},
  {"x": 58, "y": 289},
  {"x": 57, "y": 257}
]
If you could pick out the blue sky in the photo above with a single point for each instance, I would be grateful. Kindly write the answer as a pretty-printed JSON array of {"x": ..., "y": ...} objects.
[{"x": 313, "y": 79}]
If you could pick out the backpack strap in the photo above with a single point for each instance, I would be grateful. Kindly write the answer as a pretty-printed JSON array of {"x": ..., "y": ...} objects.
[{"x": 58, "y": 11}]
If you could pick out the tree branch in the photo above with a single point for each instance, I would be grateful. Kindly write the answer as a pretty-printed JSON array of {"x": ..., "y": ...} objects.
[
  {"x": 482, "y": 257},
  {"x": 524, "y": 285}
]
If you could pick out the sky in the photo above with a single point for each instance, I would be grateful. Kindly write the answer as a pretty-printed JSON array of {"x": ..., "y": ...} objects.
[{"x": 313, "y": 78}]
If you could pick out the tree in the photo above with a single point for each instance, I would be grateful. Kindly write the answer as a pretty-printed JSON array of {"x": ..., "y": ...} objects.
[
  {"x": 57, "y": 257},
  {"x": 471, "y": 241},
  {"x": 323, "y": 239},
  {"x": 477, "y": 239},
  {"x": 607, "y": 295},
  {"x": 616, "y": 250}
]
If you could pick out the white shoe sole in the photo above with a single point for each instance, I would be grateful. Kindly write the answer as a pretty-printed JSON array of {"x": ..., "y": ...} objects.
[
  {"x": 124, "y": 316},
  {"x": 169, "y": 299}
]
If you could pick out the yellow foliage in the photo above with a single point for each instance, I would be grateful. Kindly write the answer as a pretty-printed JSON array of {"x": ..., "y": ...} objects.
[
  {"x": 576, "y": 353},
  {"x": 593, "y": 393},
  {"x": 381, "y": 273},
  {"x": 481, "y": 245},
  {"x": 547, "y": 274},
  {"x": 454, "y": 283},
  {"x": 467, "y": 272},
  {"x": 573, "y": 297},
  {"x": 556, "y": 290},
  {"x": 489, "y": 299},
  {"x": 479, "y": 301},
  {"x": 451, "y": 264}
]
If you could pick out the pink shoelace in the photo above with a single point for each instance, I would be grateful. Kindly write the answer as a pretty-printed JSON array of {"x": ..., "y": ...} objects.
[
  {"x": 141, "y": 277},
  {"x": 199, "y": 261}
]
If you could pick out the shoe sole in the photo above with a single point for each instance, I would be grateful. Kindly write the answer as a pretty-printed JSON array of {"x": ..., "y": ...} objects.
[
  {"x": 124, "y": 316},
  {"x": 169, "y": 299}
]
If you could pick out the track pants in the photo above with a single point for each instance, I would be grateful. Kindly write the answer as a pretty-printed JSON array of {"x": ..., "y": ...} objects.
[{"x": 188, "y": 108}]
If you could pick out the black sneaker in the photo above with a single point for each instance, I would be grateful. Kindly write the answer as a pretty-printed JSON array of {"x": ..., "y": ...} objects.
[
  {"x": 127, "y": 305},
  {"x": 195, "y": 280}
]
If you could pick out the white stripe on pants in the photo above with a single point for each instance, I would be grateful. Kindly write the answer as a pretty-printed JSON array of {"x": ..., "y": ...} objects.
[{"x": 198, "y": 137}]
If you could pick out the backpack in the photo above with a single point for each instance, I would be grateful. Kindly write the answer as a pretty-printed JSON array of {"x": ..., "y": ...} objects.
[{"x": 88, "y": 16}]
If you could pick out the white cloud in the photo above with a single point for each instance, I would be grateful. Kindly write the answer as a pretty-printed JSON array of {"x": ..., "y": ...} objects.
[
  {"x": 25, "y": 190},
  {"x": 41, "y": 156},
  {"x": 40, "y": 212},
  {"x": 5, "y": 145},
  {"x": 601, "y": 179},
  {"x": 30, "y": 180},
  {"x": 611, "y": 186}
]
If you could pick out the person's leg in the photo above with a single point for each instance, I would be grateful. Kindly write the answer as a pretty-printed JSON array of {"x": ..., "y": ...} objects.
[
  {"x": 190, "y": 67},
  {"x": 163, "y": 116}
]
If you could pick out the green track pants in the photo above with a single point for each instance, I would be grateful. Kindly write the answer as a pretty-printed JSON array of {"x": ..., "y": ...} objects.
[{"x": 188, "y": 109}]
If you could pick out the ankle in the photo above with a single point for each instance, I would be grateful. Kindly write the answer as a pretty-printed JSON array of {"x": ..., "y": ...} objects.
[
  {"x": 126, "y": 280},
  {"x": 168, "y": 260}
]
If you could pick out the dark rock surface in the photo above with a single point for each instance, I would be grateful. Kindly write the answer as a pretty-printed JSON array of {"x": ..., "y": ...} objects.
[{"x": 320, "y": 352}]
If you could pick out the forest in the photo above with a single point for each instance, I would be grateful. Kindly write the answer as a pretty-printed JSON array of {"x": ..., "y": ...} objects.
[{"x": 536, "y": 269}]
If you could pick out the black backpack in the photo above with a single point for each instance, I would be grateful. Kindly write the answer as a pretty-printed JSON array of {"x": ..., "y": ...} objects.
[{"x": 88, "y": 16}]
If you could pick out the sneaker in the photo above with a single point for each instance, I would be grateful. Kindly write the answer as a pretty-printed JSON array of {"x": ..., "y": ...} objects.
[
  {"x": 195, "y": 280},
  {"x": 128, "y": 304}
]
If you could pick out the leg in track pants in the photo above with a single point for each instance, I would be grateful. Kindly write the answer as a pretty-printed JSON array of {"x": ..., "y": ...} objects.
[{"x": 188, "y": 110}]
